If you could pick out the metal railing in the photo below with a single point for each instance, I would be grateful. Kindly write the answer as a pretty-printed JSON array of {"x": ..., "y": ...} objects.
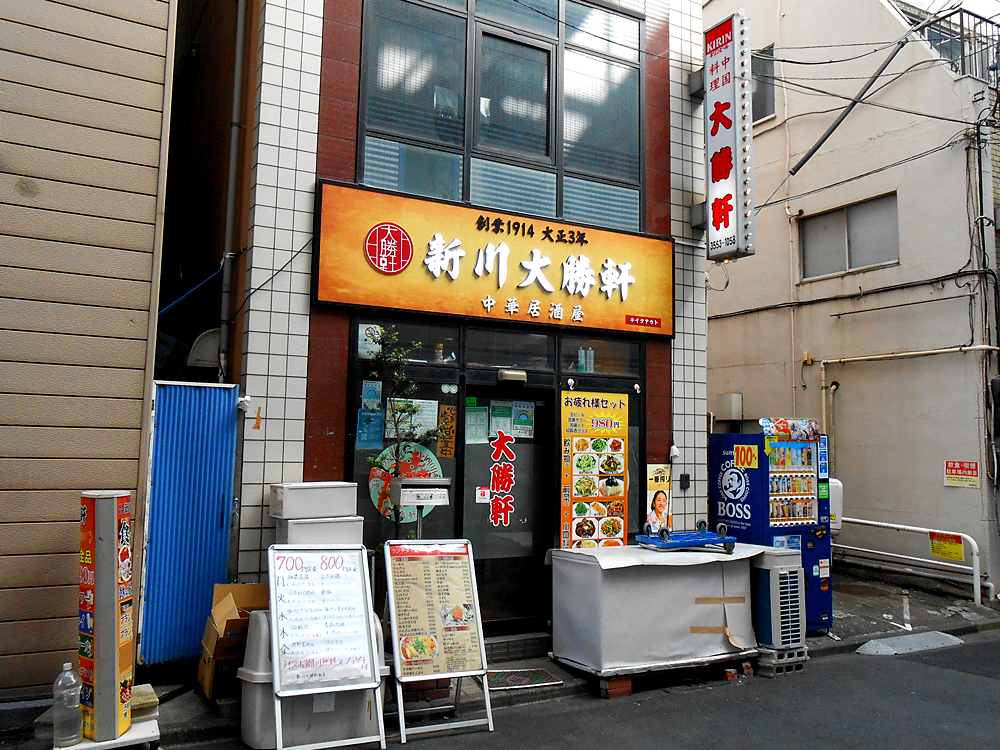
[
  {"x": 974, "y": 570},
  {"x": 969, "y": 41}
]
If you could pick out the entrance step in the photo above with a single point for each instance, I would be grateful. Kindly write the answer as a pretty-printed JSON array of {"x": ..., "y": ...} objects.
[{"x": 503, "y": 648}]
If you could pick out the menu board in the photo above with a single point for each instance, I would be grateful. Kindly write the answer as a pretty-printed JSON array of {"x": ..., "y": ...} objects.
[
  {"x": 435, "y": 609},
  {"x": 320, "y": 619},
  {"x": 594, "y": 509}
]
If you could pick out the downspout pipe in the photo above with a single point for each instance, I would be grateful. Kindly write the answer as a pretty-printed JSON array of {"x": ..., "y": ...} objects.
[{"x": 234, "y": 147}]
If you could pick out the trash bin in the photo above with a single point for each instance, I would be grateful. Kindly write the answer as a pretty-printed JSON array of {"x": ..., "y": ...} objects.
[{"x": 306, "y": 719}]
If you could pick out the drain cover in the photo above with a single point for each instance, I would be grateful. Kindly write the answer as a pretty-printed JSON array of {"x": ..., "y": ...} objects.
[
  {"x": 515, "y": 679},
  {"x": 908, "y": 644}
]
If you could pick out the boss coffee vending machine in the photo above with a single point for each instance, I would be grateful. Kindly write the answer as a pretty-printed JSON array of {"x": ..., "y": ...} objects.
[{"x": 773, "y": 489}]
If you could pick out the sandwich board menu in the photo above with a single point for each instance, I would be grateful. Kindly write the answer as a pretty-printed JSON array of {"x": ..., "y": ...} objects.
[
  {"x": 321, "y": 627},
  {"x": 594, "y": 509},
  {"x": 436, "y": 625}
]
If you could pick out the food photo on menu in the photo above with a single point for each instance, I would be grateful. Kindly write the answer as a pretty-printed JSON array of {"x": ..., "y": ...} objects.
[{"x": 418, "y": 647}]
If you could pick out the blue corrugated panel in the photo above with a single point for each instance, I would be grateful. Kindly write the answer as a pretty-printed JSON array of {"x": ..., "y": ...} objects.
[{"x": 190, "y": 507}]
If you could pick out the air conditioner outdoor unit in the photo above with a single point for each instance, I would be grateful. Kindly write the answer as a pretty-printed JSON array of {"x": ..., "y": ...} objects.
[{"x": 777, "y": 586}]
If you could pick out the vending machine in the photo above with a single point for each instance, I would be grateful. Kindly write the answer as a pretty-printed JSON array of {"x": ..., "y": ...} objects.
[{"x": 773, "y": 489}]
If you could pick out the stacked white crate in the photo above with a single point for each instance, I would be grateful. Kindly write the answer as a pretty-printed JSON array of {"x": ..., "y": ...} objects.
[{"x": 316, "y": 513}]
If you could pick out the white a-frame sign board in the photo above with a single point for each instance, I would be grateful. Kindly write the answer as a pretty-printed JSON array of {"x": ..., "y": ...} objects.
[
  {"x": 322, "y": 632},
  {"x": 436, "y": 626}
]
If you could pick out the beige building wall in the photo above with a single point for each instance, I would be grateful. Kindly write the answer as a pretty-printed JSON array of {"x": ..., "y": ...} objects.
[
  {"x": 893, "y": 423},
  {"x": 82, "y": 160}
]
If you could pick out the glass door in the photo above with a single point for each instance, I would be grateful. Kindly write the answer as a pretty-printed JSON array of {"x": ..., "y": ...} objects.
[{"x": 510, "y": 501}]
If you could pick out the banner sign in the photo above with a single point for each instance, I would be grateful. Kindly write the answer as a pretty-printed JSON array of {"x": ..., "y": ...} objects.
[
  {"x": 594, "y": 469},
  {"x": 393, "y": 251},
  {"x": 729, "y": 139}
]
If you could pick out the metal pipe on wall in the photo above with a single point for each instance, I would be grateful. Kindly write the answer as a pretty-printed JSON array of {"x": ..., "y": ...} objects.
[{"x": 234, "y": 147}]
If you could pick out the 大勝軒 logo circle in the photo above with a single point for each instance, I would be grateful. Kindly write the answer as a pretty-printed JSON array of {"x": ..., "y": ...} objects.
[
  {"x": 388, "y": 248},
  {"x": 734, "y": 484}
]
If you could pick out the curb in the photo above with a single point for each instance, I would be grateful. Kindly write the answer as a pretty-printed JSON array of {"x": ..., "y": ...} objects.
[{"x": 851, "y": 644}]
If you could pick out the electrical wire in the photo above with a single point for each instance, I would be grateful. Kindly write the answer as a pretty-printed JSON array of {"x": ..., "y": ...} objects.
[
  {"x": 821, "y": 92},
  {"x": 879, "y": 48},
  {"x": 951, "y": 142},
  {"x": 708, "y": 281},
  {"x": 269, "y": 280}
]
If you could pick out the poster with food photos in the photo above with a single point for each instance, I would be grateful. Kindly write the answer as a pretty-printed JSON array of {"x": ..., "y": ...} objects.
[
  {"x": 434, "y": 608},
  {"x": 594, "y": 510}
]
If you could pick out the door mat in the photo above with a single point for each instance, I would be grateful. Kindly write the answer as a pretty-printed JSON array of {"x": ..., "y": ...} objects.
[{"x": 517, "y": 679}]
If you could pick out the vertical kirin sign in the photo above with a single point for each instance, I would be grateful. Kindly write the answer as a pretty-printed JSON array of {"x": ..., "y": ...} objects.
[{"x": 729, "y": 139}]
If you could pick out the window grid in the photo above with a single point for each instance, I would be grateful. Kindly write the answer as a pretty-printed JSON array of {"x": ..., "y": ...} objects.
[{"x": 491, "y": 25}]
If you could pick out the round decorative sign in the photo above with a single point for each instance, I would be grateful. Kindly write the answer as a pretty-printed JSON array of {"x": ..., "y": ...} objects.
[
  {"x": 418, "y": 461},
  {"x": 388, "y": 248}
]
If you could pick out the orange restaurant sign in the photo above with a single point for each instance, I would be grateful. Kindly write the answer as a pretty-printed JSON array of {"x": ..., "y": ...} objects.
[{"x": 391, "y": 251}]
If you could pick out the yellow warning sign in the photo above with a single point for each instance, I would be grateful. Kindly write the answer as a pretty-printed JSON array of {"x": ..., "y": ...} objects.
[{"x": 946, "y": 546}]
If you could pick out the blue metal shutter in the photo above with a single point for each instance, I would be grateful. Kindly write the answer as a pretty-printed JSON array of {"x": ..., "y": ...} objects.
[{"x": 190, "y": 508}]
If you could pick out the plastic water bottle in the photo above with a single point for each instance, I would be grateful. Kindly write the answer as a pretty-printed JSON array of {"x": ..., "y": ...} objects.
[{"x": 67, "y": 718}]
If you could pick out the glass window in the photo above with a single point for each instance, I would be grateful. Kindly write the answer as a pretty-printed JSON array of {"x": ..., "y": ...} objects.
[
  {"x": 872, "y": 232},
  {"x": 534, "y": 15},
  {"x": 598, "y": 203},
  {"x": 824, "y": 244},
  {"x": 512, "y": 188},
  {"x": 762, "y": 86},
  {"x": 862, "y": 235},
  {"x": 416, "y": 72},
  {"x": 609, "y": 358},
  {"x": 513, "y": 112},
  {"x": 601, "y": 31},
  {"x": 434, "y": 345},
  {"x": 503, "y": 349},
  {"x": 553, "y": 82},
  {"x": 601, "y": 119},
  {"x": 412, "y": 169}
]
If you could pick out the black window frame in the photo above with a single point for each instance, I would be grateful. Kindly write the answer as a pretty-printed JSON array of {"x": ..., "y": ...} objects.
[{"x": 478, "y": 25}]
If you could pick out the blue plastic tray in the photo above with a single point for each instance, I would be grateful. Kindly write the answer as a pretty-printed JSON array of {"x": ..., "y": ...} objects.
[{"x": 688, "y": 540}]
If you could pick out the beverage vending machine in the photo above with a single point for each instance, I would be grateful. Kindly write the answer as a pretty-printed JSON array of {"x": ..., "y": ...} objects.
[{"x": 773, "y": 489}]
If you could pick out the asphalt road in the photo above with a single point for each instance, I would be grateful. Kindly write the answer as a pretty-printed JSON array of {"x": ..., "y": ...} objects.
[{"x": 947, "y": 698}]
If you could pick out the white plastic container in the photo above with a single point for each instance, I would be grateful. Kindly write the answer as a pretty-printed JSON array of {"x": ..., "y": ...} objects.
[
  {"x": 345, "y": 530},
  {"x": 836, "y": 506},
  {"x": 314, "y": 499},
  {"x": 305, "y": 719}
]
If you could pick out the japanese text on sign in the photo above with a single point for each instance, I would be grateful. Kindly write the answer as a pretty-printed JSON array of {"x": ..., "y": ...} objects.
[
  {"x": 435, "y": 609},
  {"x": 729, "y": 139},
  {"x": 383, "y": 250},
  {"x": 594, "y": 507},
  {"x": 320, "y": 603}
]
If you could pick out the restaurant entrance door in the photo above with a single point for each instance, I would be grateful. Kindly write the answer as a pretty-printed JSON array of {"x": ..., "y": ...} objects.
[{"x": 510, "y": 502}]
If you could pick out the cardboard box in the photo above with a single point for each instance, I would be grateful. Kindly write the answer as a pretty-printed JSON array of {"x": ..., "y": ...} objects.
[
  {"x": 217, "y": 677},
  {"x": 226, "y": 628}
]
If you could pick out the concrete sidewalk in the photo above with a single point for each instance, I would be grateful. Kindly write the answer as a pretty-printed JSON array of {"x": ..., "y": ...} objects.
[{"x": 864, "y": 608}]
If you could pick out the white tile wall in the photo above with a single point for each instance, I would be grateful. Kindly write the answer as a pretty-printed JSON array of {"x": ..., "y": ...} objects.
[
  {"x": 276, "y": 341},
  {"x": 687, "y": 170}
]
